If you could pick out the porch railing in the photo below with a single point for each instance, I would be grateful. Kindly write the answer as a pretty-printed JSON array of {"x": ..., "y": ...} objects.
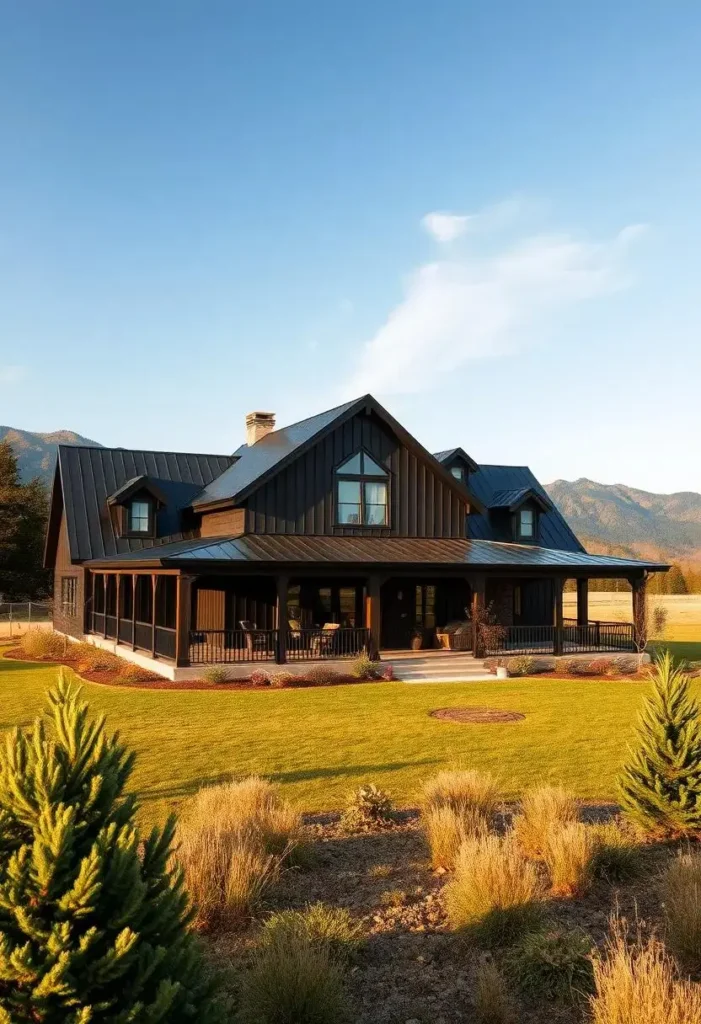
[
  {"x": 592, "y": 638},
  {"x": 139, "y": 635},
  {"x": 214, "y": 646},
  {"x": 307, "y": 644}
]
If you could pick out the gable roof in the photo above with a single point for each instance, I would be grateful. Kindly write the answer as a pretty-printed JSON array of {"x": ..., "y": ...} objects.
[
  {"x": 515, "y": 497},
  {"x": 257, "y": 463},
  {"x": 488, "y": 481},
  {"x": 86, "y": 477},
  {"x": 134, "y": 486},
  {"x": 456, "y": 453}
]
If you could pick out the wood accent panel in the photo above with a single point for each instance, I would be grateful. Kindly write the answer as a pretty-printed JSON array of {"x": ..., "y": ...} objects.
[
  {"x": 301, "y": 498},
  {"x": 210, "y": 609},
  {"x": 73, "y": 625},
  {"x": 231, "y": 523}
]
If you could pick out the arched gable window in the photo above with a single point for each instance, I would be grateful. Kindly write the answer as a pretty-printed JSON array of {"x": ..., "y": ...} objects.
[{"x": 362, "y": 492}]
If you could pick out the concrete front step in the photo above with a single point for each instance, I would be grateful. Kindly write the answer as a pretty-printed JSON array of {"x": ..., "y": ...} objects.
[{"x": 437, "y": 667}]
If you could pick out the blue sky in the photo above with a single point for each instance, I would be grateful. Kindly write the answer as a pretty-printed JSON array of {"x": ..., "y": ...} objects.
[{"x": 486, "y": 214}]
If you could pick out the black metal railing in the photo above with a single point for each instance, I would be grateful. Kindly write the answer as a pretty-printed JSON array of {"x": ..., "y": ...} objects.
[
  {"x": 135, "y": 634},
  {"x": 165, "y": 642},
  {"x": 592, "y": 638},
  {"x": 212, "y": 646},
  {"x": 308, "y": 644}
]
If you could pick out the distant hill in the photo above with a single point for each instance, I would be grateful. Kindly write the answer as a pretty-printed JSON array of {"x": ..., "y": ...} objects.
[
  {"x": 36, "y": 453},
  {"x": 616, "y": 519}
]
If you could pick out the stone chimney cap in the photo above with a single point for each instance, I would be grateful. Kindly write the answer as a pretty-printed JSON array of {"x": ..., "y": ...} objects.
[{"x": 258, "y": 424}]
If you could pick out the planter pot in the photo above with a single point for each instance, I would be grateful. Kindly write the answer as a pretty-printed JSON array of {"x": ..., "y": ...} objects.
[
  {"x": 502, "y": 672},
  {"x": 416, "y": 643}
]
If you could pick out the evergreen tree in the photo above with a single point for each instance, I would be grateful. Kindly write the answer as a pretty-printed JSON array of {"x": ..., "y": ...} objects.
[
  {"x": 660, "y": 788},
  {"x": 23, "y": 515},
  {"x": 93, "y": 921}
]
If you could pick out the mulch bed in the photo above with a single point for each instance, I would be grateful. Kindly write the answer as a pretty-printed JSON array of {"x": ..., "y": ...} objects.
[
  {"x": 412, "y": 968},
  {"x": 110, "y": 678},
  {"x": 478, "y": 715}
]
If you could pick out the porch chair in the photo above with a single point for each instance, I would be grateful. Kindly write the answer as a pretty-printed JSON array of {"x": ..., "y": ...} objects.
[
  {"x": 323, "y": 641},
  {"x": 256, "y": 639},
  {"x": 294, "y": 634}
]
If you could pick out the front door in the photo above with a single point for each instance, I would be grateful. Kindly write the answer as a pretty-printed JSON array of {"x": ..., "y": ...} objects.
[{"x": 398, "y": 603}]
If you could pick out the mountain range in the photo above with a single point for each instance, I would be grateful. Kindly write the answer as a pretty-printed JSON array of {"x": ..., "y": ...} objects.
[{"x": 608, "y": 518}]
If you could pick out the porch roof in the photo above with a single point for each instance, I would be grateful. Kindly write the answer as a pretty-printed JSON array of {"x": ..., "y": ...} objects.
[{"x": 288, "y": 549}]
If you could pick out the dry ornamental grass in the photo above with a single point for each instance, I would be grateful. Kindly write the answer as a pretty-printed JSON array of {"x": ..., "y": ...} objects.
[
  {"x": 543, "y": 809},
  {"x": 446, "y": 830},
  {"x": 681, "y": 894},
  {"x": 569, "y": 857},
  {"x": 463, "y": 791}
]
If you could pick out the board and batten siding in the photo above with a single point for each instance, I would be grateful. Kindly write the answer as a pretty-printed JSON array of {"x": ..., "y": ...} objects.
[
  {"x": 301, "y": 498},
  {"x": 73, "y": 625}
]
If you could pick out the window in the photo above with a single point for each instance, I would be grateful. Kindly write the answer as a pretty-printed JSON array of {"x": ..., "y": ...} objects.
[
  {"x": 362, "y": 492},
  {"x": 69, "y": 595},
  {"x": 459, "y": 473},
  {"x": 526, "y": 524},
  {"x": 139, "y": 517}
]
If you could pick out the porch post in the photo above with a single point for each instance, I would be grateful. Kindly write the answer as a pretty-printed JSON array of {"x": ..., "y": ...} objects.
[
  {"x": 183, "y": 616},
  {"x": 478, "y": 585},
  {"x": 558, "y": 587},
  {"x": 373, "y": 617},
  {"x": 118, "y": 596},
  {"x": 638, "y": 585},
  {"x": 582, "y": 602},
  {"x": 282, "y": 585},
  {"x": 105, "y": 577},
  {"x": 154, "y": 588},
  {"x": 134, "y": 578}
]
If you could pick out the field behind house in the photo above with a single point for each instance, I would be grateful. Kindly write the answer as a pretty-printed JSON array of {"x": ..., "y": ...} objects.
[{"x": 683, "y": 610}]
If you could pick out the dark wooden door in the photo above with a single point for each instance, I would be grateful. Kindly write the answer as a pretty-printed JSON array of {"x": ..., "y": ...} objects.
[{"x": 398, "y": 604}]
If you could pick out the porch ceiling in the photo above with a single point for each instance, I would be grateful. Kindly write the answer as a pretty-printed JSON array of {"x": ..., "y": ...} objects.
[{"x": 386, "y": 551}]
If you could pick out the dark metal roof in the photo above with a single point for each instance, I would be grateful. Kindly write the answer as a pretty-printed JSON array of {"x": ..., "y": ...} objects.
[
  {"x": 256, "y": 460},
  {"x": 90, "y": 475},
  {"x": 553, "y": 531},
  {"x": 514, "y": 498},
  {"x": 132, "y": 486},
  {"x": 301, "y": 550},
  {"x": 455, "y": 453}
]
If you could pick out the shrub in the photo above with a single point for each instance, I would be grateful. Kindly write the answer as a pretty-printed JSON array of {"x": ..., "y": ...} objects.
[
  {"x": 464, "y": 791},
  {"x": 90, "y": 658},
  {"x": 446, "y": 830},
  {"x": 554, "y": 964},
  {"x": 365, "y": 668},
  {"x": 216, "y": 674},
  {"x": 616, "y": 855},
  {"x": 603, "y": 667},
  {"x": 681, "y": 889},
  {"x": 494, "y": 891},
  {"x": 322, "y": 675},
  {"x": 493, "y": 1003},
  {"x": 637, "y": 984},
  {"x": 282, "y": 679},
  {"x": 570, "y": 666},
  {"x": 521, "y": 666},
  {"x": 329, "y": 928},
  {"x": 226, "y": 874},
  {"x": 259, "y": 678},
  {"x": 93, "y": 921},
  {"x": 367, "y": 805},
  {"x": 292, "y": 981},
  {"x": 252, "y": 809},
  {"x": 130, "y": 672},
  {"x": 660, "y": 788},
  {"x": 393, "y": 898},
  {"x": 569, "y": 856},
  {"x": 543, "y": 809},
  {"x": 388, "y": 673},
  {"x": 43, "y": 643}
]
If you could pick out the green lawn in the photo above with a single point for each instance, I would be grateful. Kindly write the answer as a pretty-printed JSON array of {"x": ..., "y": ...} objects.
[{"x": 320, "y": 742}]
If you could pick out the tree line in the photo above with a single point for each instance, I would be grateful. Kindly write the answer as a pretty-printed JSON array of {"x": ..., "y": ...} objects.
[{"x": 24, "y": 510}]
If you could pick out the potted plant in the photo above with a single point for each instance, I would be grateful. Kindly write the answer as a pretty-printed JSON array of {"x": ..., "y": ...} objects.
[{"x": 417, "y": 639}]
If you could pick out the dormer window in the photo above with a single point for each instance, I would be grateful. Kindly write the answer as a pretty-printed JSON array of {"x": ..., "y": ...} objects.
[
  {"x": 362, "y": 492},
  {"x": 459, "y": 473},
  {"x": 526, "y": 524},
  {"x": 139, "y": 516}
]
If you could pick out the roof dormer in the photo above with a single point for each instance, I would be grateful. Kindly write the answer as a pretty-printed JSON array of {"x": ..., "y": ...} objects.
[{"x": 134, "y": 507}]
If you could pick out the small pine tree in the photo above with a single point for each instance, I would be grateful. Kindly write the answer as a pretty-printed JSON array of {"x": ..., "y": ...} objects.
[
  {"x": 93, "y": 921},
  {"x": 660, "y": 788}
]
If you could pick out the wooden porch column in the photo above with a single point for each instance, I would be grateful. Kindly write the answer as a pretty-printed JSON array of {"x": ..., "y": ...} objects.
[
  {"x": 118, "y": 595},
  {"x": 134, "y": 578},
  {"x": 183, "y": 618},
  {"x": 154, "y": 588},
  {"x": 582, "y": 602},
  {"x": 558, "y": 587},
  {"x": 638, "y": 585},
  {"x": 282, "y": 584},
  {"x": 373, "y": 615},
  {"x": 478, "y": 584},
  {"x": 105, "y": 577}
]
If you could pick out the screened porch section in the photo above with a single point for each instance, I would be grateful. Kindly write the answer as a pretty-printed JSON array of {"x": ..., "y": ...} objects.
[{"x": 136, "y": 609}]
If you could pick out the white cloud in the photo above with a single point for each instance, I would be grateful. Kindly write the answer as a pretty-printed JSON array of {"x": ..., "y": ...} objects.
[
  {"x": 12, "y": 374},
  {"x": 481, "y": 304},
  {"x": 445, "y": 227}
]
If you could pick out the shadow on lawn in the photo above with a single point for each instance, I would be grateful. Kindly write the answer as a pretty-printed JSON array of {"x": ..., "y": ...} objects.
[{"x": 190, "y": 787}]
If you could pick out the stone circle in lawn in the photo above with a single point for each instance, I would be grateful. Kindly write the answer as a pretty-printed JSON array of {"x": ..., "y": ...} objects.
[{"x": 481, "y": 716}]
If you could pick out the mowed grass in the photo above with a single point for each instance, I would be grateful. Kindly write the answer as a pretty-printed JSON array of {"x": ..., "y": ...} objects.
[{"x": 319, "y": 743}]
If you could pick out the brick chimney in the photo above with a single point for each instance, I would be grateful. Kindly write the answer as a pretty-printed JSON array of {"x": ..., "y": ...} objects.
[{"x": 258, "y": 424}]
